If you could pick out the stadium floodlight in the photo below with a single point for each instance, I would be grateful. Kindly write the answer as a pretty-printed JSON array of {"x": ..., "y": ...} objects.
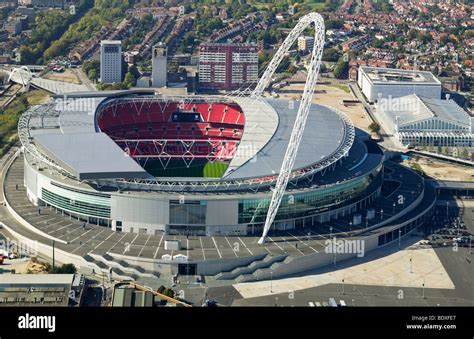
[{"x": 296, "y": 135}]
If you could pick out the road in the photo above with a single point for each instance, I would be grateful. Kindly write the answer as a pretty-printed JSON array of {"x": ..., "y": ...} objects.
[
  {"x": 84, "y": 79},
  {"x": 387, "y": 142}
]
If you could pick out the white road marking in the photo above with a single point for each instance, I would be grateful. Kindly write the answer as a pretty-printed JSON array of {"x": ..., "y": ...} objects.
[
  {"x": 144, "y": 245},
  {"x": 248, "y": 249},
  {"x": 110, "y": 249},
  {"x": 158, "y": 247},
  {"x": 84, "y": 243},
  {"x": 215, "y": 244},
  {"x": 127, "y": 248},
  {"x": 232, "y": 248},
  {"x": 307, "y": 244},
  {"x": 276, "y": 244},
  {"x": 81, "y": 235},
  {"x": 111, "y": 234},
  {"x": 202, "y": 248}
]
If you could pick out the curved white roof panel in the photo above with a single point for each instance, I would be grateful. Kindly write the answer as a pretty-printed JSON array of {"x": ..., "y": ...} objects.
[{"x": 323, "y": 135}]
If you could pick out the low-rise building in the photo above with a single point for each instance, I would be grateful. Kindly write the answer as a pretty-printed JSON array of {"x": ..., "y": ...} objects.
[
  {"x": 423, "y": 121},
  {"x": 305, "y": 43},
  {"x": 378, "y": 82},
  {"x": 356, "y": 43},
  {"x": 13, "y": 27},
  {"x": 41, "y": 289},
  {"x": 43, "y": 3}
]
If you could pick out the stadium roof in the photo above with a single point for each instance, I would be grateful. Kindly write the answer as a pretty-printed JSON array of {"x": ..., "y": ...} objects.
[
  {"x": 261, "y": 122},
  {"x": 324, "y": 134},
  {"x": 69, "y": 136},
  {"x": 89, "y": 156}
]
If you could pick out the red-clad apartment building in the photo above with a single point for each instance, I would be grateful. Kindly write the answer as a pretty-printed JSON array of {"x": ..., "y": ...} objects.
[{"x": 224, "y": 66}]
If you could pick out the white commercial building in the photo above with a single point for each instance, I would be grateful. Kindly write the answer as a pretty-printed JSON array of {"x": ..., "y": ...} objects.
[
  {"x": 159, "y": 56},
  {"x": 422, "y": 121},
  {"x": 305, "y": 43},
  {"x": 377, "y": 82},
  {"x": 110, "y": 61}
]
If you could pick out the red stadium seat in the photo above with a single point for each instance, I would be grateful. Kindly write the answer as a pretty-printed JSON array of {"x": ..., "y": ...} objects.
[{"x": 143, "y": 122}]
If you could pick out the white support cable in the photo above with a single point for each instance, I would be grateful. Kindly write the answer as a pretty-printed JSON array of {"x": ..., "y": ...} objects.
[{"x": 298, "y": 129}]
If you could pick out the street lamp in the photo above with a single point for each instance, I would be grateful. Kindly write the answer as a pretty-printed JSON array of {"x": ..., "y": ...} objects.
[
  {"x": 343, "y": 287},
  {"x": 330, "y": 232},
  {"x": 399, "y": 239},
  {"x": 393, "y": 208},
  {"x": 350, "y": 225},
  {"x": 271, "y": 281},
  {"x": 411, "y": 265},
  {"x": 381, "y": 214}
]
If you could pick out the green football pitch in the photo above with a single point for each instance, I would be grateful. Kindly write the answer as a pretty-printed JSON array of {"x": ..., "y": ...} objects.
[{"x": 177, "y": 168}]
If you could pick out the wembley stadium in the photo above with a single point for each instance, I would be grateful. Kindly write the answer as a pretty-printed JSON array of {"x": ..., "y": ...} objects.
[
  {"x": 126, "y": 154},
  {"x": 232, "y": 186}
]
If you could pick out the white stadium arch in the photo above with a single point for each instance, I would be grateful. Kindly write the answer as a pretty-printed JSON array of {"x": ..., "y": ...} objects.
[
  {"x": 23, "y": 74},
  {"x": 304, "y": 107}
]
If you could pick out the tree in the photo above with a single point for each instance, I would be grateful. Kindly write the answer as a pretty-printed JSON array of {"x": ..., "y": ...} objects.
[
  {"x": 92, "y": 74},
  {"x": 374, "y": 127},
  {"x": 129, "y": 79},
  {"x": 134, "y": 71},
  {"x": 292, "y": 69},
  {"x": 330, "y": 54},
  {"x": 378, "y": 43},
  {"x": 64, "y": 269},
  {"x": 91, "y": 68},
  {"x": 341, "y": 71},
  {"x": 334, "y": 24},
  {"x": 284, "y": 65}
]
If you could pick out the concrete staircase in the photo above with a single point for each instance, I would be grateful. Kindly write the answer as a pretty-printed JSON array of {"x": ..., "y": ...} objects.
[
  {"x": 263, "y": 272},
  {"x": 100, "y": 266},
  {"x": 120, "y": 267},
  {"x": 241, "y": 271}
]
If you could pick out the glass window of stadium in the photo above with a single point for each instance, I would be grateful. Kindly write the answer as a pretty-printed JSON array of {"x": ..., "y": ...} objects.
[
  {"x": 299, "y": 205},
  {"x": 187, "y": 212}
]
